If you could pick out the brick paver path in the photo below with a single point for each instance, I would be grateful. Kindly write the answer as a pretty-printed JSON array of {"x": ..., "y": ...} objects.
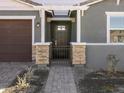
[{"x": 60, "y": 80}]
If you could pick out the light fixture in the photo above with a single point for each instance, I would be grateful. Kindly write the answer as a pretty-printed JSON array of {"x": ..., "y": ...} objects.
[{"x": 38, "y": 24}]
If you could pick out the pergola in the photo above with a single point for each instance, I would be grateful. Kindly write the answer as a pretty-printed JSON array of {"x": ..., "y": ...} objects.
[{"x": 80, "y": 12}]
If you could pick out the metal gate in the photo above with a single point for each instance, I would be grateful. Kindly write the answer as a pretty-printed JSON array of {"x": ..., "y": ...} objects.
[
  {"x": 61, "y": 52},
  {"x": 60, "y": 55}
]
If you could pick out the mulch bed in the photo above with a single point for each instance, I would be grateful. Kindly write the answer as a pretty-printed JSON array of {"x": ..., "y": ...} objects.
[
  {"x": 100, "y": 82},
  {"x": 37, "y": 81}
]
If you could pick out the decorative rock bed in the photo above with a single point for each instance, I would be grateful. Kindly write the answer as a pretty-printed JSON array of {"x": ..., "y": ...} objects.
[
  {"x": 98, "y": 81},
  {"x": 36, "y": 82}
]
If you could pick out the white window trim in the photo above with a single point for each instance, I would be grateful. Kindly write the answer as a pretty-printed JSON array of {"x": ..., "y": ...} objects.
[
  {"x": 22, "y": 17},
  {"x": 109, "y": 14},
  {"x": 116, "y": 28}
]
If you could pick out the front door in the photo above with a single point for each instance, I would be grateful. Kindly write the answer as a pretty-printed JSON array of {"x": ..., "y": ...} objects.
[{"x": 61, "y": 32}]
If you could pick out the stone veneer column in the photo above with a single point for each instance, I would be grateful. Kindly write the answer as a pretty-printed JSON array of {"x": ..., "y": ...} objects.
[
  {"x": 78, "y": 53},
  {"x": 42, "y": 53}
]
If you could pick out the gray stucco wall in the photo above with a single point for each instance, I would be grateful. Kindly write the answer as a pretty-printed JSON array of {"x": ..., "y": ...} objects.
[
  {"x": 48, "y": 32},
  {"x": 97, "y": 54},
  {"x": 26, "y": 13},
  {"x": 94, "y": 21},
  {"x": 47, "y": 27},
  {"x": 74, "y": 26}
]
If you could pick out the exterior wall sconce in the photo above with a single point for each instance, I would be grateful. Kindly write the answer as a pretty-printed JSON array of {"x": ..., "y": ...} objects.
[{"x": 38, "y": 24}]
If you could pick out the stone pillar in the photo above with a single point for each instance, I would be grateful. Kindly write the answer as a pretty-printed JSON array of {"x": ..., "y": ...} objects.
[
  {"x": 43, "y": 53},
  {"x": 78, "y": 53}
]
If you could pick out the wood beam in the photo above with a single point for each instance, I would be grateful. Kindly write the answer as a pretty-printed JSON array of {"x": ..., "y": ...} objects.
[{"x": 62, "y": 7}]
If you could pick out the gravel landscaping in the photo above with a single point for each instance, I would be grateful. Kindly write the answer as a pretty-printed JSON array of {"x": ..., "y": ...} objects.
[
  {"x": 98, "y": 81},
  {"x": 32, "y": 80}
]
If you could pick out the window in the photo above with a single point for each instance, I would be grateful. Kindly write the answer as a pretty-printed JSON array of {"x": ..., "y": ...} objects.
[
  {"x": 61, "y": 28},
  {"x": 117, "y": 22},
  {"x": 117, "y": 36},
  {"x": 115, "y": 27}
]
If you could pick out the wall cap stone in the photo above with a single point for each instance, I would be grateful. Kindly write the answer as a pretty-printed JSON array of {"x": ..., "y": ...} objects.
[
  {"x": 47, "y": 43},
  {"x": 76, "y": 43}
]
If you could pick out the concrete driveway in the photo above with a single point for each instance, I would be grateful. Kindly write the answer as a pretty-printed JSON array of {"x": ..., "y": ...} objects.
[{"x": 9, "y": 71}]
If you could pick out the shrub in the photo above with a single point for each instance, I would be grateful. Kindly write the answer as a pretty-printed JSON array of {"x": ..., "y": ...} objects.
[
  {"x": 109, "y": 88},
  {"x": 112, "y": 63},
  {"x": 23, "y": 82}
]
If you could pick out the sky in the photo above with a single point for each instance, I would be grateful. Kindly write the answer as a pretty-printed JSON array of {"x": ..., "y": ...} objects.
[{"x": 59, "y": 2}]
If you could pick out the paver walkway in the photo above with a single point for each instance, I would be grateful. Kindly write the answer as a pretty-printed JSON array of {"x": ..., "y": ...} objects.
[{"x": 60, "y": 80}]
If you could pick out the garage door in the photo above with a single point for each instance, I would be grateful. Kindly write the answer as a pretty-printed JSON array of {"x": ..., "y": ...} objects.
[{"x": 15, "y": 40}]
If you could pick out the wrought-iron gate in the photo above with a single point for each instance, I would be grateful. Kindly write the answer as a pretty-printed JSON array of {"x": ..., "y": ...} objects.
[{"x": 61, "y": 52}]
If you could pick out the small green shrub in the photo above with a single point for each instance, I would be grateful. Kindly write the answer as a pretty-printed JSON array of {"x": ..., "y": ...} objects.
[
  {"x": 112, "y": 63},
  {"x": 29, "y": 73},
  {"x": 109, "y": 88}
]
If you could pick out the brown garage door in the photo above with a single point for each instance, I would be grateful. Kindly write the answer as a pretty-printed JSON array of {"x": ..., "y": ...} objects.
[{"x": 15, "y": 40}]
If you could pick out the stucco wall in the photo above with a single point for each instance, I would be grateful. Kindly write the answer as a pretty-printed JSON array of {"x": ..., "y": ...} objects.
[
  {"x": 26, "y": 13},
  {"x": 47, "y": 28},
  {"x": 74, "y": 26},
  {"x": 94, "y": 21},
  {"x": 96, "y": 56}
]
